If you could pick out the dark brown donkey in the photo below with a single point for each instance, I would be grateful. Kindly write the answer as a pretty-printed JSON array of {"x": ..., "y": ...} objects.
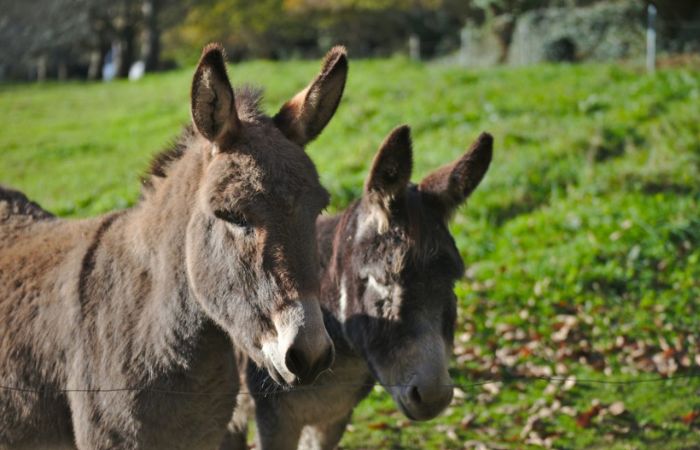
[
  {"x": 222, "y": 246},
  {"x": 389, "y": 265}
]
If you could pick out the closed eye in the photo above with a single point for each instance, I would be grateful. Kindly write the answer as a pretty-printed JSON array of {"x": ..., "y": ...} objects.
[{"x": 233, "y": 218}]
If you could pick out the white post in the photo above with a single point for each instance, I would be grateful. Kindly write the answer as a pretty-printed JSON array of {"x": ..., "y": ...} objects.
[
  {"x": 464, "y": 39},
  {"x": 651, "y": 38},
  {"x": 414, "y": 47}
]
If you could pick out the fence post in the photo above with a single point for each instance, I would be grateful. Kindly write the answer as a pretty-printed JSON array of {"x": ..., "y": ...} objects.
[
  {"x": 414, "y": 47},
  {"x": 464, "y": 39},
  {"x": 651, "y": 38},
  {"x": 41, "y": 68}
]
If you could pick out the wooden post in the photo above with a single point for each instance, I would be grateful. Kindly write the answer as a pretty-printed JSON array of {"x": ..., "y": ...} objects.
[
  {"x": 62, "y": 70},
  {"x": 651, "y": 38},
  {"x": 414, "y": 47},
  {"x": 464, "y": 38},
  {"x": 95, "y": 67},
  {"x": 41, "y": 68}
]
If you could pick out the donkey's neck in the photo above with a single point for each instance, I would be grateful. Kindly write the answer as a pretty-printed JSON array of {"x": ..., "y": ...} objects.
[
  {"x": 326, "y": 229},
  {"x": 332, "y": 234},
  {"x": 168, "y": 203},
  {"x": 154, "y": 234}
]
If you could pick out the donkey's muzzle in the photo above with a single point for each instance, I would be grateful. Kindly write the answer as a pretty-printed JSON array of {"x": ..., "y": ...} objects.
[
  {"x": 423, "y": 399},
  {"x": 303, "y": 349},
  {"x": 305, "y": 368}
]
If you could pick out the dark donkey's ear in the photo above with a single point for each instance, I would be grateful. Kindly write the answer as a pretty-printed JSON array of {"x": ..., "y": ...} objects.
[
  {"x": 303, "y": 117},
  {"x": 212, "y": 102},
  {"x": 453, "y": 183},
  {"x": 391, "y": 168}
]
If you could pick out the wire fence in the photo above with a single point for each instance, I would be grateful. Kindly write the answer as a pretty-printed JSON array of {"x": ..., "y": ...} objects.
[{"x": 301, "y": 388}]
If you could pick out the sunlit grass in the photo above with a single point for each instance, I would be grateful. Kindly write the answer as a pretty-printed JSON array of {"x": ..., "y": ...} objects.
[{"x": 590, "y": 210}]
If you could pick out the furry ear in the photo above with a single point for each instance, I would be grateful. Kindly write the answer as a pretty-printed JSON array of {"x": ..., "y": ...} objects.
[
  {"x": 392, "y": 166},
  {"x": 453, "y": 183},
  {"x": 212, "y": 102},
  {"x": 303, "y": 117}
]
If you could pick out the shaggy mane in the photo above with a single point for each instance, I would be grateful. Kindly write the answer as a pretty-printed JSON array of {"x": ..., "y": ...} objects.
[{"x": 248, "y": 101}]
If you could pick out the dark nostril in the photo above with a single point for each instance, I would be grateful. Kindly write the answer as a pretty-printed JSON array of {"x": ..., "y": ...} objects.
[
  {"x": 414, "y": 395},
  {"x": 327, "y": 360},
  {"x": 296, "y": 363}
]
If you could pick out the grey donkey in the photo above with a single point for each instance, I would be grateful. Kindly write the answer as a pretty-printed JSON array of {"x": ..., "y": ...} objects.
[
  {"x": 388, "y": 267},
  {"x": 147, "y": 303}
]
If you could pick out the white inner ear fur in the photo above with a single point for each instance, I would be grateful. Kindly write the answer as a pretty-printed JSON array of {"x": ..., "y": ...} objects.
[
  {"x": 376, "y": 216},
  {"x": 213, "y": 90},
  {"x": 312, "y": 99},
  {"x": 206, "y": 78},
  {"x": 205, "y": 94}
]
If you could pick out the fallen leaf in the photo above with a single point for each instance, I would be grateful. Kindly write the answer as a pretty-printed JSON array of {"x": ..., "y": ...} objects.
[
  {"x": 493, "y": 388},
  {"x": 584, "y": 419},
  {"x": 467, "y": 421},
  {"x": 378, "y": 426},
  {"x": 616, "y": 408},
  {"x": 568, "y": 410},
  {"x": 569, "y": 383},
  {"x": 476, "y": 445},
  {"x": 689, "y": 418}
]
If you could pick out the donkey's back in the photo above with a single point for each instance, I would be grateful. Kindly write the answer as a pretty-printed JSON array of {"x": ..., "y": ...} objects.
[
  {"x": 17, "y": 211},
  {"x": 19, "y": 217}
]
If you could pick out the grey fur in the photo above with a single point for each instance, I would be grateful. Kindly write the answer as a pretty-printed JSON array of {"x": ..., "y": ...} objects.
[
  {"x": 388, "y": 266},
  {"x": 220, "y": 249}
]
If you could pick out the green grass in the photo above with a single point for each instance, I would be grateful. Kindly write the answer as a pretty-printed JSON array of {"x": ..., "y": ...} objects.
[{"x": 582, "y": 242}]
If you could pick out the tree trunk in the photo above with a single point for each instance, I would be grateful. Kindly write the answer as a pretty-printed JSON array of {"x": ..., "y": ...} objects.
[
  {"x": 62, "y": 71},
  {"x": 126, "y": 51},
  {"x": 150, "y": 51}
]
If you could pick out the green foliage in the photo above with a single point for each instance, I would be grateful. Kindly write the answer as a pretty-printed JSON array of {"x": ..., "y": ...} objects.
[
  {"x": 280, "y": 29},
  {"x": 283, "y": 28},
  {"x": 262, "y": 28},
  {"x": 582, "y": 243}
]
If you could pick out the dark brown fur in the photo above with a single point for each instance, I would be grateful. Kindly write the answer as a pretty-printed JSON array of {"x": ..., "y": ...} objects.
[
  {"x": 148, "y": 300},
  {"x": 388, "y": 267}
]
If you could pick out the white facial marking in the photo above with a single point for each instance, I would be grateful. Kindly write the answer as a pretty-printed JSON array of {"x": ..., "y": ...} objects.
[
  {"x": 381, "y": 289},
  {"x": 343, "y": 303},
  {"x": 275, "y": 350}
]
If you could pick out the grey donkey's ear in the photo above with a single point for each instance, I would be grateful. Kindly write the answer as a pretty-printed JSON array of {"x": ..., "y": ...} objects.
[
  {"x": 453, "y": 183},
  {"x": 303, "y": 117},
  {"x": 212, "y": 102},
  {"x": 392, "y": 166}
]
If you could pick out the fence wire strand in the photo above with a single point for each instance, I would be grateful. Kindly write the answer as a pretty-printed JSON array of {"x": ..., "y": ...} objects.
[{"x": 462, "y": 386}]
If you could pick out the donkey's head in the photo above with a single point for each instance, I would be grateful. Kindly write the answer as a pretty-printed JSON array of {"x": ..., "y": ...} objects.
[
  {"x": 251, "y": 245},
  {"x": 399, "y": 265}
]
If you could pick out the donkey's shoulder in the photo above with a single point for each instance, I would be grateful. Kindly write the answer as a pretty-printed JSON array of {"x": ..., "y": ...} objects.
[{"x": 17, "y": 210}]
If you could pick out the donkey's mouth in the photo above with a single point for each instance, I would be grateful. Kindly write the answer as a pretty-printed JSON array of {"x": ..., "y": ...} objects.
[
  {"x": 277, "y": 377},
  {"x": 417, "y": 408},
  {"x": 418, "y": 415},
  {"x": 395, "y": 392},
  {"x": 275, "y": 365}
]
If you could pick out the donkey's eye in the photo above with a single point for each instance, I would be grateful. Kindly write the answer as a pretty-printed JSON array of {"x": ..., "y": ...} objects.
[{"x": 234, "y": 218}]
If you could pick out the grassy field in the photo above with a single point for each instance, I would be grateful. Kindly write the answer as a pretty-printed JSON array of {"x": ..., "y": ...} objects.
[{"x": 582, "y": 242}]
